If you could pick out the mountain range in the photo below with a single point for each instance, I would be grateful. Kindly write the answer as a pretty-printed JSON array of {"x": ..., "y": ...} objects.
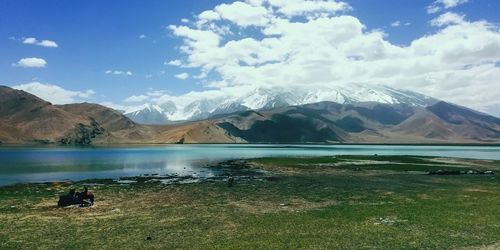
[
  {"x": 25, "y": 118},
  {"x": 165, "y": 112}
]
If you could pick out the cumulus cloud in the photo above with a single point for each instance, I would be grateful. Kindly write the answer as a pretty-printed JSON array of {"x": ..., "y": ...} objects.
[
  {"x": 447, "y": 18},
  {"x": 396, "y": 24},
  {"x": 440, "y": 5},
  {"x": 118, "y": 72},
  {"x": 399, "y": 23},
  {"x": 43, "y": 43},
  {"x": 182, "y": 76},
  {"x": 53, "y": 93},
  {"x": 31, "y": 62},
  {"x": 137, "y": 98},
  {"x": 320, "y": 45},
  {"x": 174, "y": 63},
  {"x": 243, "y": 14},
  {"x": 308, "y": 8}
]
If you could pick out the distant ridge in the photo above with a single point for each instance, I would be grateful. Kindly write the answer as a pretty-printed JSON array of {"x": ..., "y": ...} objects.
[
  {"x": 25, "y": 118},
  {"x": 269, "y": 98}
]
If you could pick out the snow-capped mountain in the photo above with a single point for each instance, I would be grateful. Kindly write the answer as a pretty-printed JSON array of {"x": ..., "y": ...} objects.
[
  {"x": 150, "y": 114},
  {"x": 267, "y": 98}
]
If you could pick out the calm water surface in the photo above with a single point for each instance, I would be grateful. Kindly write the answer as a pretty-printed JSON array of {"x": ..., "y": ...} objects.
[{"x": 42, "y": 164}]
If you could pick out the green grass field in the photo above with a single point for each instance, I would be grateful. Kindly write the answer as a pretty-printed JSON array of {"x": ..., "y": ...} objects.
[{"x": 340, "y": 202}]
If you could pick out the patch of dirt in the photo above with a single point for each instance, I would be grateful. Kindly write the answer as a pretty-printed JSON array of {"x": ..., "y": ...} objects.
[
  {"x": 495, "y": 246},
  {"x": 456, "y": 162},
  {"x": 387, "y": 221},
  {"x": 424, "y": 196},
  {"x": 292, "y": 205},
  {"x": 478, "y": 190}
]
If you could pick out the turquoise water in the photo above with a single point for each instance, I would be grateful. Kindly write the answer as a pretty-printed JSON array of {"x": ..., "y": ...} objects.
[{"x": 44, "y": 164}]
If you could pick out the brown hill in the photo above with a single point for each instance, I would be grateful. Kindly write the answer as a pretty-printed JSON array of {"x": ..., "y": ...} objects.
[
  {"x": 329, "y": 122},
  {"x": 25, "y": 118}
]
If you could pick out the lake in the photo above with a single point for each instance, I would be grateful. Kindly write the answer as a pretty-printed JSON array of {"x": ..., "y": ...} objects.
[{"x": 44, "y": 164}]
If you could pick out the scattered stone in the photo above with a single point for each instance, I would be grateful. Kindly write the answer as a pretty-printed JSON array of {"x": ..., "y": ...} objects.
[
  {"x": 271, "y": 178},
  {"x": 233, "y": 164},
  {"x": 389, "y": 221},
  {"x": 125, "y": 182},
  {"x": 460, "y": 172}
]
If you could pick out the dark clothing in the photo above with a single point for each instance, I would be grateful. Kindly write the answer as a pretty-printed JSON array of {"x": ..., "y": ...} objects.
[{"x": 84, "y": 199}]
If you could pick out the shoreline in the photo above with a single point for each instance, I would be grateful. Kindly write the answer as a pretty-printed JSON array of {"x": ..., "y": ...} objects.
[
  {"x": 246, "y": 169},
  {"x": 34, "y": 144},
  {"x": 239, "y": 167}
]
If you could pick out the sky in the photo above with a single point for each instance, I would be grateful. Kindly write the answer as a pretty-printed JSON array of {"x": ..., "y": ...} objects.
[{"x": 127, "y": 53}]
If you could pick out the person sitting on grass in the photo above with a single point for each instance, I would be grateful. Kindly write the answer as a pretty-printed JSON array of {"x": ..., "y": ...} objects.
[
  {"x": 84, "y": 199},
  {"x": 87, "y": 197}
]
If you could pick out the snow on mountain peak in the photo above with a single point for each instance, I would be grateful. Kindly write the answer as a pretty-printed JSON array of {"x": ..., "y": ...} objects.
[{"x": 201, "y": 107}]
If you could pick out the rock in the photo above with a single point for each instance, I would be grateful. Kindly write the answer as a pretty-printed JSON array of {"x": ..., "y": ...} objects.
[
  {"x": 271, "y": 178},
  {"x": 181, "y": 141}
]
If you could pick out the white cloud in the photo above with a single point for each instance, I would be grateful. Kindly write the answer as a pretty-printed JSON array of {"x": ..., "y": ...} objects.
[
  {"x": 182, "y": 76},
  {"x": 202, "y": 39},
  {"x": 30, "y": 40},
  {"x": 325, "y": 48},
  {"x": 142, "y": 36},
  {"x": 48, "y": 43},
  {"x": 242, "y": 14},
  {"x": 396, "y": 24},
  {"x": 118, "y": 72},
  {"x": 448, "y": 18},
  {"x": 122, "y": 108},
  {"x": 174, "y": 63},
  {"x": 208, "y": 15},
  {"x": 440, "y": 5},
  {"x": 31, "y": 62},
  {"x": 137, "y": 98},
  {"x": 451, "y": 3},
  {"x": 43, "y": 43},
  {"x": 399, "y": 23},
  {"x": 156, "y": 93},
  {"x": 53, "y": 93},
  {"x": 309, "y": 8}
]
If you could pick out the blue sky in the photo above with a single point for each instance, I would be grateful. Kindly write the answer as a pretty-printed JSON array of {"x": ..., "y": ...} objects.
[{"x": 96, "y": 36}]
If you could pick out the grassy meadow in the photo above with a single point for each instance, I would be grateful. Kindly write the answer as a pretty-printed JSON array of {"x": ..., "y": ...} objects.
[{"x": 344, "y": 202}]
